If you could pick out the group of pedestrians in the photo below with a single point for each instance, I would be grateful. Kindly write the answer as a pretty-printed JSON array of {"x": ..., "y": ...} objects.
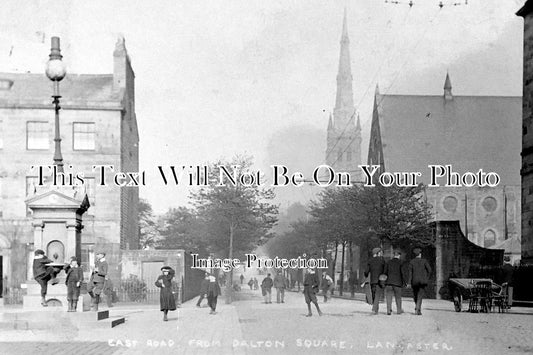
[
  {"x": 45, "y": 270},
  {"x": 253, "y": 283},
  {"x": 280, "y": 283},
  {"x": 391, "y": 277}
]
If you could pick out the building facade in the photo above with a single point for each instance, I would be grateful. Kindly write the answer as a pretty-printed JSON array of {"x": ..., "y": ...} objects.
[
  {"x": 98, "y": 127},
  {"x": 527, "y": 135},
  {"x": 461, "y": 136}
]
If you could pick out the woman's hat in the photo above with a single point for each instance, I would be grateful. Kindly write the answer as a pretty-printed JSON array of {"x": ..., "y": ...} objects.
[
  {"x": 166, "y": 268},
  {"x": 39, "y": 252},
  {"x": 73, "y": 258},
  {"x": 376, "y": 250},
  {"x": 417, "y": 251},
  {"x": 100, "y": 253}
]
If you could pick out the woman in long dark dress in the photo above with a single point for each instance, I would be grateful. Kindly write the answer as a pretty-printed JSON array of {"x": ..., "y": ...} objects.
[{"x": 166, "y": 297}]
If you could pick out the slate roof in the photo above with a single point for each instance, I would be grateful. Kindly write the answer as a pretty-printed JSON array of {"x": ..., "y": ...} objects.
[
  {"x": 468, "y": 132},
  {"x": 75, "y": 88}
]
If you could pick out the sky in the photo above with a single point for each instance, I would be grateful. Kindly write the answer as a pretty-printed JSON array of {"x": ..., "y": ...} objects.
[{"x": 219, "y": 78}]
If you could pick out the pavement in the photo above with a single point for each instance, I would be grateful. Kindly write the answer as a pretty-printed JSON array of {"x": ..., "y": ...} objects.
[{"x": 248, "y": 326}]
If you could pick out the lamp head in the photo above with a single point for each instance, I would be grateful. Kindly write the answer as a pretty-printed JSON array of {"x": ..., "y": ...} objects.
[{"x": 55, "y": 68}]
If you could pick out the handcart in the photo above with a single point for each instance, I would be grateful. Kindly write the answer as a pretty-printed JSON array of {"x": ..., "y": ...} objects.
[{"x": 483, "y": 295}]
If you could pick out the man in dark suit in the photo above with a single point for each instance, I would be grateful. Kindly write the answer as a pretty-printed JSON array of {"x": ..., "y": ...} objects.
[
  {"x": 419, "y": 271},
  {"x": 375, "y": 268},
  {"x": 395, "y": 281},
  {"x": 266, "y": 286}
]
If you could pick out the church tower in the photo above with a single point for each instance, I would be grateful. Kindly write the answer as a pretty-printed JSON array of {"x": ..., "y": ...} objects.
[{"x": 343, "y": 151}]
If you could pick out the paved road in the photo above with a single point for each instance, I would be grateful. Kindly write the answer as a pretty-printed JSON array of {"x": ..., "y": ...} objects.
[{"x": 251, "y": 327}]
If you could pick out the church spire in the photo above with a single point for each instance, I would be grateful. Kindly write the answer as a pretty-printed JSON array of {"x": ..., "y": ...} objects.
[
  {"x": 344, "y": 99},
  {"x": 448, "y": 88}
]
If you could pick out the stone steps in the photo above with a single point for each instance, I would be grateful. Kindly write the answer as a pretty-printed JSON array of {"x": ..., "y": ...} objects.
[{"x": 49, "y": 317}]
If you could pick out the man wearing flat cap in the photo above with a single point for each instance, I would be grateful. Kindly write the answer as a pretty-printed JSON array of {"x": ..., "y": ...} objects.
[
  {"x": 95, "y": 286},
  {"x": 42, "y": 272},
  {"x": 375, "y": 268},
  {"x": 419, "y": 272},
  {"x": 395, "y": 281}
]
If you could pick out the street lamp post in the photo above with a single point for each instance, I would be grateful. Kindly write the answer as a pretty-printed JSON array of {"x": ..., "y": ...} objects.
[{"x": 56, "y": 71}]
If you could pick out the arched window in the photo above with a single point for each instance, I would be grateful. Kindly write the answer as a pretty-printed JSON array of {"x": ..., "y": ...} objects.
[{"x": 489, "y": 238}]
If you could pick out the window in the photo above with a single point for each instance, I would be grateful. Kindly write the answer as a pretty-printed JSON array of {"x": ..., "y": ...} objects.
[
  {"x": 84, "y": 136},
  {"x": 490, "y": 238},
  {"x": 450, "y": 204},
  {"x": 489, "y": 204},
  {"x": 37, "y": 135}
]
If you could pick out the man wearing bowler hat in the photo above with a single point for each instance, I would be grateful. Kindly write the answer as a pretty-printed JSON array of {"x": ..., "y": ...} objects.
[
  {"x": 419, "y": 271},
  {"x": 98, "y": 278},
  {"x": 395, "y": 281},
  {"x": 376, "y": 267}
]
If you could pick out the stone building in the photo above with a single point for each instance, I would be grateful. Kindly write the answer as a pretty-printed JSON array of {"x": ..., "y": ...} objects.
[
  {"x": 343, "y": 152},
  {"x": 466, "y": 133},
  {"x": 98, "y": 127},
  {"x": 343, "y": 149},
  {"x": 527, "y": 135}
]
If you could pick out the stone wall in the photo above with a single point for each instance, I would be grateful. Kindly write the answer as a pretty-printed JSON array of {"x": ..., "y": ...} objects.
[{"x": 189, "y": 279}]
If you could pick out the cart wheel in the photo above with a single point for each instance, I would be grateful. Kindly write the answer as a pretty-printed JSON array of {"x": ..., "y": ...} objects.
[{"x": 457, "y": 300}]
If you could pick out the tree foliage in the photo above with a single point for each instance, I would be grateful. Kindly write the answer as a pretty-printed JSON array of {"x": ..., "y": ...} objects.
[
  {"x": 148, "y": 233},
  {"x": 241, "y": 210},
  {"x": 399, "y": 215},
  {"x": 180, "y": 228}
]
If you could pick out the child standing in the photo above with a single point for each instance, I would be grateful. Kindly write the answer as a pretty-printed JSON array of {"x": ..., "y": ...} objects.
[{"x": 74, "y": 278}]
